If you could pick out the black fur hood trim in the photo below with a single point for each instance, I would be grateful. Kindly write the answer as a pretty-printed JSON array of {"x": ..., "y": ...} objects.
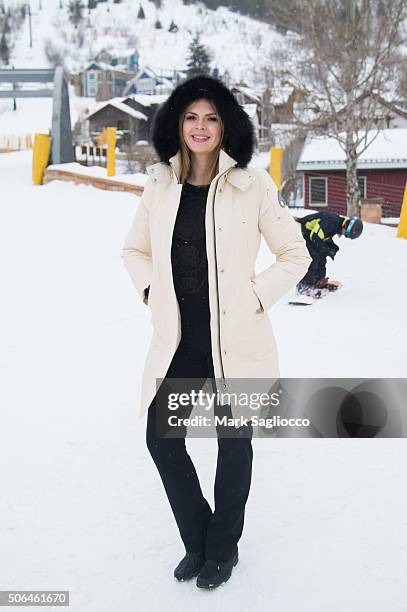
[{"x": 239, "y": 137}]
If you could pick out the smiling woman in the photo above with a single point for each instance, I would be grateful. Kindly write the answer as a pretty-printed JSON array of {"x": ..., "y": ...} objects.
[
  {"x": 195, "y": 238},
  {"x": 201, "y": 133}
]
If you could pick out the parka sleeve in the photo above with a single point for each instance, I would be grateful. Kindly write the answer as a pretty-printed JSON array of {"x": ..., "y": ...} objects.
[
  {"x": 284, "y": 239},
  {"x": 136, "y": 250}
]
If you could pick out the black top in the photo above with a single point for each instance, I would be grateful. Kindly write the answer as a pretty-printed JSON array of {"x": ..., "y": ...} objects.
[{"x": 188, "y": 255}]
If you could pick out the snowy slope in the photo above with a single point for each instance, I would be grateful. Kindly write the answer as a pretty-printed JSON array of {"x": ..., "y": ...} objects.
[
  {"x": 238, "y": 44},
  {"x": 82, "y": 506},
  {"x": 222, "y": 32},
  {"x": 24, "y": 56}
]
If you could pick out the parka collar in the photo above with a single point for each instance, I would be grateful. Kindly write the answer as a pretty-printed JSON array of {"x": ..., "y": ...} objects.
[
  {"x": 225, "y": 162},
  {"x": 239, "y": 177}
]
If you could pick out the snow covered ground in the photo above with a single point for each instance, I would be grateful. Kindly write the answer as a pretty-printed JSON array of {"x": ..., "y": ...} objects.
[{"x": 82, "y": 506}]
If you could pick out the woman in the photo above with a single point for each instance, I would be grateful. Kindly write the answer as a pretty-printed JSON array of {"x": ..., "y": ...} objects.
[{"x": 191, "y": 253}]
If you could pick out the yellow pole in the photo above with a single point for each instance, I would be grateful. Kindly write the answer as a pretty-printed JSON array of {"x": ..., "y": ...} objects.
[
  {"x": 41, "y": 151},
  {"x": 276, "y": 165},
  {"x": 402, "y": 229},
  {"x": 111, "y": 157}
]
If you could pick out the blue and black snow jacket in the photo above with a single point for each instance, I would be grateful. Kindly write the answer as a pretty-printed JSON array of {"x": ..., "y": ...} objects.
[{"x": 318, "y": 230}]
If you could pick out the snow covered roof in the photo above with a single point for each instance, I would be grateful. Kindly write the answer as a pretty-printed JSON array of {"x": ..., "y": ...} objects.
[
  {"x": 388, "y": 150},
  {"x": 128, "y": 52},
  {"x": 125, "y": 108},
  {"x": 392, "y": 106},
  {"x": 102, "y": 66},
  {"x": 255, "y": 94},
  {"x": 250, "y": 109},
  {"x": 147, "y": 99},
  {"x": 160, "y": 75},
  {"x": 161, "y": 81},
  {"x": 280, "y": 95},
  {"x": 145, "y": 70},
  {"x": 166, "y": 72},
  {"x": 166, "y": 81}
]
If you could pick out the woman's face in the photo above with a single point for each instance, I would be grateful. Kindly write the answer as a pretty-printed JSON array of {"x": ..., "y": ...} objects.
[{"x": 201, "y": 127}]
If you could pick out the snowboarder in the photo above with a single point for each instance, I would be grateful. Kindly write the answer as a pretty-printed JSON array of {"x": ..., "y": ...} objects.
[
  {"x": 318, "y": 230},
  {"x": 194, "y": 241}
]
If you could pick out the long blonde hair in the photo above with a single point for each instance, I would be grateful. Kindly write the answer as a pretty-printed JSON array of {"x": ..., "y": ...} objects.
[{"x": 185, "y": 151}]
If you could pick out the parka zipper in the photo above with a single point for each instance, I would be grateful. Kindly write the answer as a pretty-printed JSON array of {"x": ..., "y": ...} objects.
[{"x": 217, "y": 277}]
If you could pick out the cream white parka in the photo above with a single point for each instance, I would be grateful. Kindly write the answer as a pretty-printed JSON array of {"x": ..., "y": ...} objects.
[{"x": 242, "y": 205}]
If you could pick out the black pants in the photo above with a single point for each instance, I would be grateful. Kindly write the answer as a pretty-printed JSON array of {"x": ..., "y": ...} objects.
[
  {"x": 215, "y": 534},
  {"x": 317, "y": 267}
]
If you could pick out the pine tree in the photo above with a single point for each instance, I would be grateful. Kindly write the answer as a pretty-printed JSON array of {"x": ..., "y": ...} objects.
[
  {"x": 4, "y": 49},
  {"x": 226, "y": 78},
  {"x": 75, "y": 10},
  {"x": 198, "y": 61},
  {"x": 173, "y": 27},
  {"x": 140, "y": 14},
  {"x": 5, "y": 24}
]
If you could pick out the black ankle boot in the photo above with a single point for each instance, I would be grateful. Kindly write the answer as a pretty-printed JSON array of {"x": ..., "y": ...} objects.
[
  {"x": 215, "y": 573},
  {"x": 189, "y": 566}
]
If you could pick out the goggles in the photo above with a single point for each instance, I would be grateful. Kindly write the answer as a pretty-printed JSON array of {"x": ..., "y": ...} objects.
[{"x": 349, "y": 228}]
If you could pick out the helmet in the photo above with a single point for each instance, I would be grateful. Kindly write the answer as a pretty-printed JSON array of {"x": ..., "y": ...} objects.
[{"x": 354, "y": 228}]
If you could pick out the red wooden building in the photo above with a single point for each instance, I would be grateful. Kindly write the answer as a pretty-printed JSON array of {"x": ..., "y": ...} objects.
[{"x": 382, "y": 172}]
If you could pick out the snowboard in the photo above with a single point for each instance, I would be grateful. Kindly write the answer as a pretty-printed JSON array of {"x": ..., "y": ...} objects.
[{"x": 301, "y": 299}]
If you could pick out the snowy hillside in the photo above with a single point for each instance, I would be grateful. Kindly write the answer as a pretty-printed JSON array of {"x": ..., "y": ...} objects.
[
  {"x": 82, "y": 507},
  {"x": 239, "y": 44}
]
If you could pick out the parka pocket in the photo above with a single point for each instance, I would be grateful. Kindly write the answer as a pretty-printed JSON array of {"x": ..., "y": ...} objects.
[
  {"x": 255, "y": 338},
  {"x": 256, "y": 301},
  {"x": 154, "y": 293},
  {"x": 159, "y": 320}
]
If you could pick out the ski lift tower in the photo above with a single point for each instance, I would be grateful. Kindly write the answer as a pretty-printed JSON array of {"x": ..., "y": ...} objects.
[{"x": 62, "y": 149}]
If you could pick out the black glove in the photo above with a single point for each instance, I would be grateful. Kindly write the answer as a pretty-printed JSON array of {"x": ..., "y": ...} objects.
[
  {"x": 328, "y": 248},
  {"x": 333, "y": 249}
]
